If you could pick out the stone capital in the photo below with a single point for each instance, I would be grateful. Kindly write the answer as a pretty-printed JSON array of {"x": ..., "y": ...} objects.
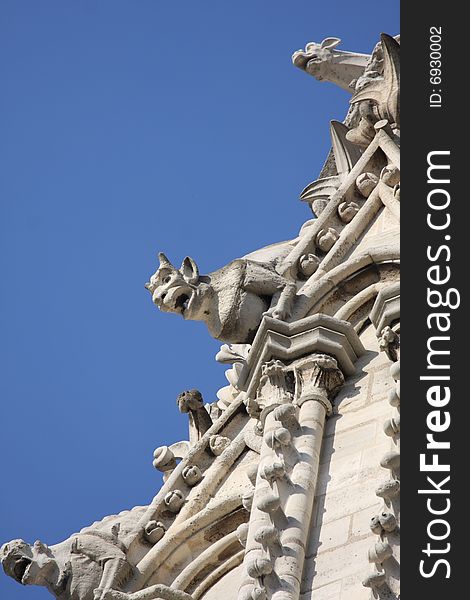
[{"x": 317, "y": 378}]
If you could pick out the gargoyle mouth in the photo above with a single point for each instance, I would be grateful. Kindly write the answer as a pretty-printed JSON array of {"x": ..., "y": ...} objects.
[
  {"x": 21, "y": 568},
  {"x": 300, "y": 59},
  {"x": 177, "y": 299},
  {"x": 182, "y": 302}
]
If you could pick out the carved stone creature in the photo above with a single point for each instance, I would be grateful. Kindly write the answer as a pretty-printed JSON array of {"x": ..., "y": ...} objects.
[
  {"x": 154, "y": 592},
  {"x": 377, "y": 94},
  {"x": 191, "y": 402},
  {"x": 77, "y": 569},
  {"x": 231, "y": 301},
  {"x": 326, "y": 63}
]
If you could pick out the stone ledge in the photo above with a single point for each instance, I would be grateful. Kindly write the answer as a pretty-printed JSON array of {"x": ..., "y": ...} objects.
[{"x": 288, "y": 341}]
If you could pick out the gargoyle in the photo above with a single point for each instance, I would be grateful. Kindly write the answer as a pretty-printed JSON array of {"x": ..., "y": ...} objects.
[
  {"x": 325, "y": 63},
  {"x": 191, "y": 402},
  {"x": 231, "y": 301},
  {"x": 77, "y": 569}
]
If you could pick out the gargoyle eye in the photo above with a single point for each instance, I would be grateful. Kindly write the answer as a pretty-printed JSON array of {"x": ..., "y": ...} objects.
[{"x": 167, "y": 279}]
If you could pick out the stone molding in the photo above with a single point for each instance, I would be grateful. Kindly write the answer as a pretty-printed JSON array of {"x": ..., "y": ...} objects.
[
  {"x": 386, "y": 309},
  {"x": 288, "y": 341}
]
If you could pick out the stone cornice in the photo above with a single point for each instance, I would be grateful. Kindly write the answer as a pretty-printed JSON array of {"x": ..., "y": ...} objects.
[{"x": 289, "y": 341}]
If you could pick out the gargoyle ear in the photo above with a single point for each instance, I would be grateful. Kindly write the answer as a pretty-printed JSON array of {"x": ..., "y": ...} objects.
[
  {"x": 330, "y": 43},
  {"x": 164, "y": 262},
  {"x": 189, "y": 270},
  {"x": 40, "y": 547}
]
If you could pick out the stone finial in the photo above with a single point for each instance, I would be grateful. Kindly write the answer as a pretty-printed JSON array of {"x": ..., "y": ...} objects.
[{"x": 164, "y": 459}]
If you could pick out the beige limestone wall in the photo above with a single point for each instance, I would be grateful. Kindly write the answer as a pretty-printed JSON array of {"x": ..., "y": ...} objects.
[{"x": 345, "y": 501}]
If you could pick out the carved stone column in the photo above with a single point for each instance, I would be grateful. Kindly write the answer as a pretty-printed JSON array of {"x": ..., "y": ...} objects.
[
  {"x": 291, "y": 402},
  {"x": 384, "y": 555}
]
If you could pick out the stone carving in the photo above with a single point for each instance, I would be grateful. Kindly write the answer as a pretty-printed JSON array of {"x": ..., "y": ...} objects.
[
  {"x": 218, "y": 443},
  {"x": 292, "y": 398},
  {"x": 389, "y": 342},
  {"x": 174, "y": 500},
  {"x": 80, "y": 568},
  {"x": 154, "y": 592},
  {"x": 164, "y": 459},
  {"x": 379, "y": 552},
  {"x": 191, "y": 402},
  {"x": 347, "y": 211},
  {"x": 378, "y": 92},
  {"x": 269, "y": 502},
  {"x": 392, "y": 426},
  {"x": 318, "y": 378},
  {"x": 366, "y": 183},
  {"x": 326, "y": 63},
  {"x": 232, "y": 353},
  {"x": 231, "y": 301},
  {"x": 192, "y": 475},
  {"x": 268, "y": 536},
  {"x": 326, "y": 238},
  {"x": 236, "y": 355},
  {"x": 374, "y": 580},
  {"x": 308, "y": 264},
  {"x": 388, "y": 490},
  {"x": 385, "y": 524},
  {"x": 154, "y": 531},
  {"x": 242, "y": 533},
  {"x": 247, "y": 500},
  {"x": 386, "y": 309}
]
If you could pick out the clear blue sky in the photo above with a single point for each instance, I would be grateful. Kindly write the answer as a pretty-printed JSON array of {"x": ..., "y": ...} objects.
[{"x": 129, "y": 127}]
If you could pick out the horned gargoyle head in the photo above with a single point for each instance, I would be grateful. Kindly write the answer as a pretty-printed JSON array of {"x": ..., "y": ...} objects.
[
  {"x": 315, "y": 56},
  {"x": 326, "y": 63},
  {"x": 179, "y": 291},
  {"x": 28, "y": 565}
]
